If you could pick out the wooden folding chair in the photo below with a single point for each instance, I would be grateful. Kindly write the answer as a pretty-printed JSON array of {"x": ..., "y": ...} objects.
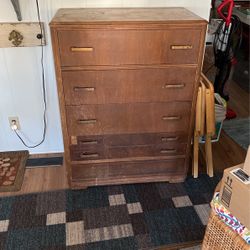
[
  {"x": 209, "y": 124},
  {"x": 204, "y": 125},
  {"x": 199, "y": 128}
]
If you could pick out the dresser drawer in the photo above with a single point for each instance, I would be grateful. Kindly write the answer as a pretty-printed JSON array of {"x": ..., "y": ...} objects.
[
  {"x": 128, "y": 118},
  {"x": 129, "y": 139},
  {"x": 125, "y": 146},
  {"x": 101, "y": 171},
  {"x": 126, "y": 86},
  {"x": 87, "y": 153},
  {"x": 124, "y": 47},
  {"x": 96, "y": 153}
]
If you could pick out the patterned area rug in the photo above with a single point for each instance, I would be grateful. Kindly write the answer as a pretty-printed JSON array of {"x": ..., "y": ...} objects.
[
  {"x": 141, "y": 216},
  {"x": 12, "y": 168}
]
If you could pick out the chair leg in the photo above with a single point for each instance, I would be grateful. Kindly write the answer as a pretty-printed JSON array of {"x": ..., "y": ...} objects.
[
  {"x": 195, "y": 156},
  {"x": 209, "y": 156}
]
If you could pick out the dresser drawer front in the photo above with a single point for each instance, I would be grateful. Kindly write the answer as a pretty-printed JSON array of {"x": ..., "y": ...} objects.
[
  {"x": 126, "y": 169},
  {"x": 91, "y": 152},
  {"x": 165, "y": 146},
  {"x": 124, "y": 47},
  {"x": 144, "y": 139},
  {"x": 124, "y": 140},
  {"x": 97, "y": 153},
  {"x": 166, "y": 149},
  {"x": 127, "y": 145},
  {"x": 128, "y": 118},
  {"x": 127, "y": 86}
]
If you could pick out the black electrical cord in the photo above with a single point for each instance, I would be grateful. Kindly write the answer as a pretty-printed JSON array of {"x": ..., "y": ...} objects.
[{"x": 41, "y": 36}]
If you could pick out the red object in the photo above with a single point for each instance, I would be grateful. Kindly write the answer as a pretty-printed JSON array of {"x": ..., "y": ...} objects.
[
  {"x": 234, "y": 61},
  {"x": 230, "y": 114},
  {"x": 230, "y": 4}
]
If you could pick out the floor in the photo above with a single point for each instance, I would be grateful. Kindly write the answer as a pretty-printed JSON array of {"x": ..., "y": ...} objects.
[
  {"x": 226, "y": 153},
  {"x": 42, "y": 179}
]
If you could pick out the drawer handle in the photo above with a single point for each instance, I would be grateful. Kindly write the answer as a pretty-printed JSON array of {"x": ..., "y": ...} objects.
[
  {"x": 181, "y": 47},
  {"x": 174, "y": 86},
  {"x": 89, "y": 155},
  {"x": 81, "y": 49},
  {"x": 164, "y": 139},
  {"x": 89, "y": 89},
  {"x": 167, "y": 151},
  {"x": 171, "y": 118},
  {"x": 88, "y": 142},
  {"x": 89, "y": 121}
]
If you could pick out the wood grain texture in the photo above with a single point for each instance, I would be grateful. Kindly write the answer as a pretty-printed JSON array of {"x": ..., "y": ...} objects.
[
  {"x": 128, "y": 86},
  {"x": 239, "y": 100},
  {"x": 126, "y": 77},
  {"x": 124, "y": 15},
  {"x": 132, "y": 139},
  {"x": 110, "y": 47},
  {"x": 114, "y": 173},
  {"x": 128, "y": 118},
  {"x": 28, "y": 31},
  {"x": 102, "y": 151}
]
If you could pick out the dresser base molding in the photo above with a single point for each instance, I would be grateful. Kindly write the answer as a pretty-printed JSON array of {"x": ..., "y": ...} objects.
[
  {"x": 83, "y": 183},
  {"x": 114, "y": 173}
]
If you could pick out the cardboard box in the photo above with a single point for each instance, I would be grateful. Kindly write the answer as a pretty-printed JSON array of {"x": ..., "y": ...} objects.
[
  {"x": 235, "y": 193},
  {"x": 246, "y": 166}
]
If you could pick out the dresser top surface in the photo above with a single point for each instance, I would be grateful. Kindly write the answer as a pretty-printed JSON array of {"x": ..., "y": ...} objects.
[{"x": 124, "y": 15}]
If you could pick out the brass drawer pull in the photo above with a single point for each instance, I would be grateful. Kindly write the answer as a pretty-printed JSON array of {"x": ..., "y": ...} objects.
[
  {"x": 180, "y": 47},
  {"x": 167, "y": 151},
  {"x": 81, "y": 49},
  {"x": 171, "y": 118},
  {"x": 89, "y": 155},
  {"x": 174, "y": 86},
  {"x": 89, "y": 121},
  {"x": 165, "y": 139},
  {"x": 88, "y": 142},
  {"x": 89, "y": 89}
]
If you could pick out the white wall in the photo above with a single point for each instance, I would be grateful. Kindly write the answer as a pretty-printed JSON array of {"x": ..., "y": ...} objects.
[{"x": 20, "y": 71}]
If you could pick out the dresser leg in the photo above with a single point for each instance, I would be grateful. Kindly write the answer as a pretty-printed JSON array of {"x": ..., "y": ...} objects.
[
  {"x": 177, "y": 179},
  {"x": 78, "y": 186}
]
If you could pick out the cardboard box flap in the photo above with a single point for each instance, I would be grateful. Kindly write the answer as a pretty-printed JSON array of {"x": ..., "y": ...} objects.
[{"x": 246, "y": 166}]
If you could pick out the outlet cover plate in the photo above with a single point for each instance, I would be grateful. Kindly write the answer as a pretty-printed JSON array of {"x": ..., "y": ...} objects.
[{"x": 14, "y": 118}]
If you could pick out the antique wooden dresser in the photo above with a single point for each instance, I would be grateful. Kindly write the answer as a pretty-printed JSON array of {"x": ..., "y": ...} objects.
[{"x": 127, "y": 82}]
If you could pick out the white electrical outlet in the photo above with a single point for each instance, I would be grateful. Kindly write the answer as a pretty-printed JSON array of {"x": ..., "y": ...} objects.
[{"x": 14, "y": 123}]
